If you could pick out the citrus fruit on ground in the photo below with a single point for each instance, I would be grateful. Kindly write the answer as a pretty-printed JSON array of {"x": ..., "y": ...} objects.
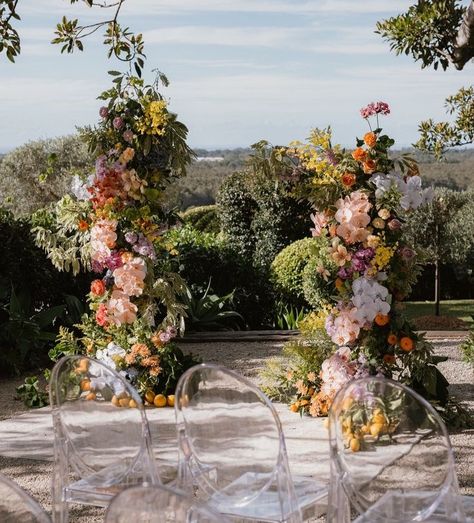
[
  {"x": 160, "y": 400},
  {"x": 149, "y": 396},
  {"x": 170, "y": 400}
]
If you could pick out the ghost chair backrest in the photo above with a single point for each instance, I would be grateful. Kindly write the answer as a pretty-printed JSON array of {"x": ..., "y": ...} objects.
[{"x": 391, "y": 457}]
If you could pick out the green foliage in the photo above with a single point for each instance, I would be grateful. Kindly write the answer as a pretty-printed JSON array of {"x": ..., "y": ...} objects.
[
  {"x": 317, "y": 290},
  {"x": 32, "y": 394},
  {"x": 427, "y": 31},
  {"x": 437, "y": 137},
  {"x": 40, "y": 173},
  {"x": 203, "y": 218},
  {"x": 289, "y": 317},
  {"x": 289, "y": 265},
  {"x": 468, "y": 349},
  {"x": 210, "y": 312},
  {"x": 9, "y": 37}
]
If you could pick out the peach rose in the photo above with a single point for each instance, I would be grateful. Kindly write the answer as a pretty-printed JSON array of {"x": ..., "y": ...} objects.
[
  {"x": 369, "y": 166},
  {"x": 359, "y": 154},
  {"x": 101, "y": 315},
  {"x": 98, "y": 287},
  {"x": 370, "y": 139},
  {"x": 348, "y": 179}
]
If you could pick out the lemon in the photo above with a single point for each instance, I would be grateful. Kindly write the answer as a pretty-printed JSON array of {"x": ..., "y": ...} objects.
[
  {"x": 124, "y": 402},
  {"x": 160, "y": 400},
  {"x": 85, "y": 385},
  {"x": 354, "y": 445},
  {"x": 115, "y": 401},
  {"x": 170, "y": 400},
  {"x": 149, "y": 396},
  {"x": 133, "y": 404},
  {"x": 376, "y": 429},
  {"x": 91, "y": 396}
]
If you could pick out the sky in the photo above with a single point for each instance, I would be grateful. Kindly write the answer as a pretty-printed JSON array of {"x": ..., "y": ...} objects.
[{"x": 240, "y": 70}]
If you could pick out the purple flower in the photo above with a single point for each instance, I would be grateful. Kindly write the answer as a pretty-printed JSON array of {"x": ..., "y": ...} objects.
[
  {"x": 117, "y": 123},
  {"x": 394, "y": 225},
  {"x": 358, "y": 265},
  {"x": 172, "y": 331},
  {"x": 101, "y": 167},
  {"x": 407, "y": 253},
  {"x": 128, "y": 136},
  {"x": 97, "y": 266},
  {"x": 131, "y": 237},
  {"x": 103, "y": 112},
  {"x": 114, "y": 261},
  {"x": 165, "y": 337},
  {"x": 344, "y": 273},
  {"x": 331, "y": 157}
]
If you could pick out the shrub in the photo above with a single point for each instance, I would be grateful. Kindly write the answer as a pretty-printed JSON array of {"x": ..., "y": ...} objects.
[
  {"x": 288, "y": 266},
  {"x": 203, "y": 218},
  {"x": 40, "y": 172},
  {"x": 205, "y": 258},
  {"x": 260, "y": 217}
]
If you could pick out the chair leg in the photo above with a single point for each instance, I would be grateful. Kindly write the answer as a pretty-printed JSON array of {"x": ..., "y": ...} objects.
[{"x": 339, "y": 508}]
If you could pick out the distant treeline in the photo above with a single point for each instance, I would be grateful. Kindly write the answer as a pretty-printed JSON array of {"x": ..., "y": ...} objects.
[{"x": 204, "y": 178}]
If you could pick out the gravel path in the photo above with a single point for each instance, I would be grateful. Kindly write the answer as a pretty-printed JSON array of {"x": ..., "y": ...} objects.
[{"x": 246, "y": 358}]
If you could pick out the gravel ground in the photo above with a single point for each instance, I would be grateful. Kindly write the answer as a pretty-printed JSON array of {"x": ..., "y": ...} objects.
[{"x": 247, "y": 358}]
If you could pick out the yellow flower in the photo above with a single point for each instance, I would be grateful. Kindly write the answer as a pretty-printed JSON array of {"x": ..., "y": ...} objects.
[
  {"x": 378, "y": 223},
  {"x": 155, "y": 118},
  {"x": 383, "y": 255}
]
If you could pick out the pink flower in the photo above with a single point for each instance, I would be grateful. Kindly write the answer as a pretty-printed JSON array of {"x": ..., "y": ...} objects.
[
  {"x": 128, "y": 136},
  {"x": 117, "y": 122},
  {"x": 352, "y": 215},
  {"x": 101, "y": 316},
  {"x": 120, "y": 309},
  {"x": 103, "y": 238},
  {"x": 130, "y": 277},
  {"x": 343, "y": 327},
  {"x": 103, "y": 112},
  {"x": 375, "y": 108},
  {"x": 320, "y": 220}
]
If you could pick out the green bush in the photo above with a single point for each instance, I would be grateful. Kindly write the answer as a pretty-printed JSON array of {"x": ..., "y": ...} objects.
[
  {"x": 204, "y": 259},
  {"x": 203, "y": 218},
  {"x": 40, "y": 172},
  {"x": 317, "y": 291},
  {"x": 259, "y": 218},
  {"x": 287, "y": 268}
]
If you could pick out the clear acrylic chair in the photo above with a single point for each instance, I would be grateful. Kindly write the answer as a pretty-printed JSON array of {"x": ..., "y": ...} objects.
[
  {"x": 159, "y": 504},
  {"x": 17, "y": 506},
  {"x": 391, "y": 457},
  {"x": 101, "y": 435},
  {"x": 233, "y": 451}
]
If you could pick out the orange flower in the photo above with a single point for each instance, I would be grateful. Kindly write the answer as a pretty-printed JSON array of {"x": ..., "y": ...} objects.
[
  {"x": 392, "y": 339},
  {"x": 369, "y": 166},
  {"x": 359, "y": 154},
  {"x": 389, "y": 359},
  {"x": 348, "y": 179},
  {"x": 98, "y": 287},
  {"x": 83, "y": 225},
  {"x": 370, "y": 139},
  {"x": 407, "y": 344},
  {"x": 339, "y": 284},
  {"x": 382, "y": 319}
]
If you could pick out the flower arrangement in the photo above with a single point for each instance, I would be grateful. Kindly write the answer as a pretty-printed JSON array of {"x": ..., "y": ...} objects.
[
  {"x": 116, "y": 221},
  {"x": 361, "y": 199}
]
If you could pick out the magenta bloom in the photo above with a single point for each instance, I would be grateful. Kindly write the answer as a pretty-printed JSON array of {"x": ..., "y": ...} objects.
[
  {"x": 394, "y": 224},
  {"x": 103, "y": 112},
  {"x": 117, "y": 123},
  {"x": 114, "y": 261},
  {"x": 375, "y": 108},
  {"x": 128, "y": 136}
]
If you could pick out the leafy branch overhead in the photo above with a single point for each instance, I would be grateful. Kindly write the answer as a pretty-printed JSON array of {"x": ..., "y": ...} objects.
[
  {"x": 437, "y": 137},
  {"x": 70, "y": 34},
  {"x": 434, "y": 32}
]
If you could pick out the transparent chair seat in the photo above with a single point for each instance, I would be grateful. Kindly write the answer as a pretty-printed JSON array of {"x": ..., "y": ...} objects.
[
  {"x": 102, "y": 439},
  {"x": 159, "y": 504},
  {"x": 17, "y": 506},
  {"x": 391, "y": 457},
  {"x": 233, "y": 450}
]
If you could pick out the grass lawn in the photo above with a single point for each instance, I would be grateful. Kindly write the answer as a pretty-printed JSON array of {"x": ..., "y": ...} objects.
[{"x": 462, "y": 309}]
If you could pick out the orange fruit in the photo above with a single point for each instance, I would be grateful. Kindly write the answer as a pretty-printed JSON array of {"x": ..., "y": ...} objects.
[
  {"x": 382, "y": 319},
  {"x": 149, "y": 396},
  {"x": 85, "y": 385},
  {"x": 355, "y": 445},
  {"x": 124, "y": 402},
  {"x": 160, "y": 400},
  {"x": 347, "y": 403},
  {"x": 91, "y": 396},
  {"x": 294, "y": 407},
  {"x": 376, "y": 429},
  {"x": 170, "y": 400},
  {"x": 407, "y": 344},
  {"x": 132, "y": 404},
  {"x": 115, "y": 401}
]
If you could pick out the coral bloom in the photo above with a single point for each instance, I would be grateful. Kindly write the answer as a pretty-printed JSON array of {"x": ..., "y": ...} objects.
[
  {"x": 369, "y": 166},
  {"x": 392, "y": 339},
  {"x": 382, "y": 319},
  {"x": 359, "y": 154},
  {"x": 407, "y": 344},
  {"x": 101, "y": 316},
  {"x": 98, "y": 287},
  {"x": 389, "y": 359},
  {"x": 83, "y": 225},
  {"x": 348, "y": 179},
  {"x": 370, "y": 139}
]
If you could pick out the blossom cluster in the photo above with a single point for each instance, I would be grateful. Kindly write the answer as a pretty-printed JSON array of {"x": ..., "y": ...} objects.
[{"x": 360, "y": 213}]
